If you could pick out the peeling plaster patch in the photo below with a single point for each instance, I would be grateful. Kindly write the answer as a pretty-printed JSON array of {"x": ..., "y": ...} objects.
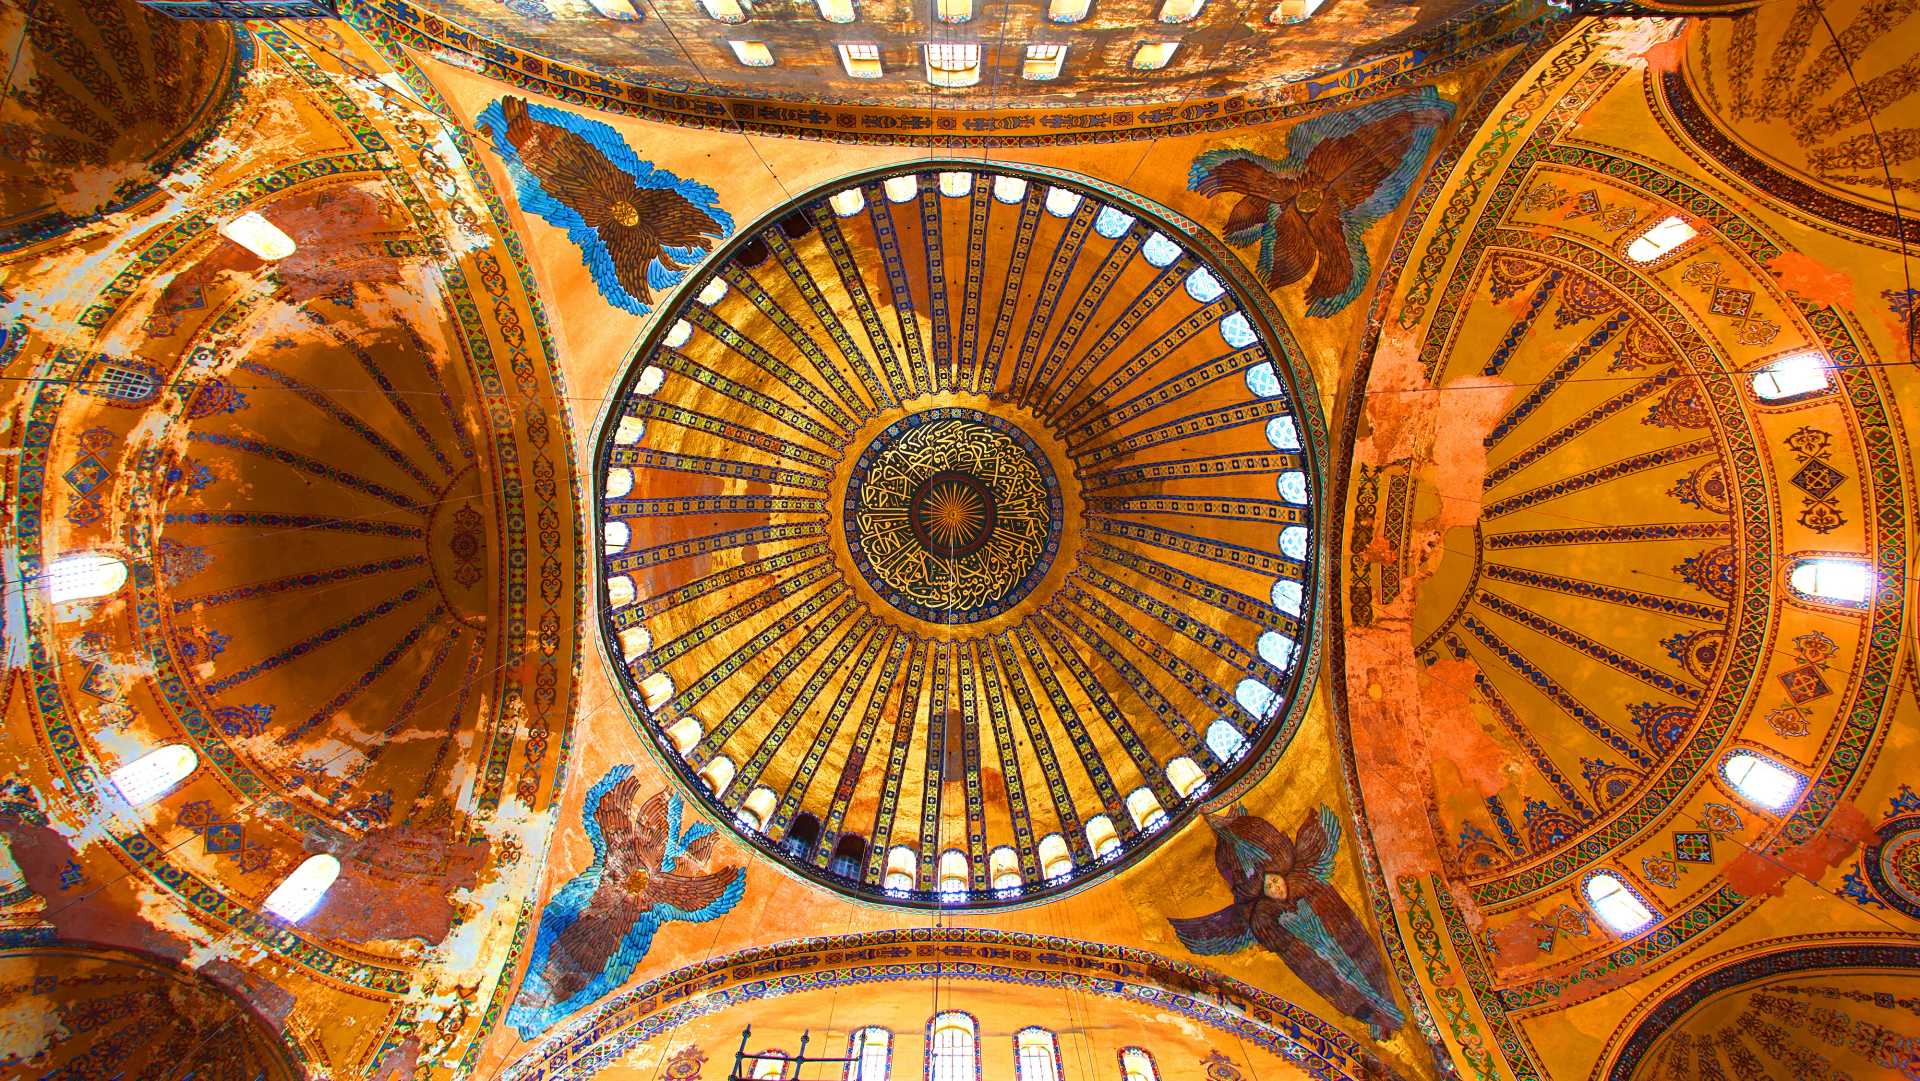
[
  {"x": 27, "y": 1028},
  {"x": 1627, "y": 41},
  {"x": 514, "y": 828},
  {"x": 1806, "y": 276},
  {"x": 1755, "y": 873}
]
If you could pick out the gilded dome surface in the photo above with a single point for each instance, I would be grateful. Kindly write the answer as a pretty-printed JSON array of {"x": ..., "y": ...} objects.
[{"x": 958, "y": 534}]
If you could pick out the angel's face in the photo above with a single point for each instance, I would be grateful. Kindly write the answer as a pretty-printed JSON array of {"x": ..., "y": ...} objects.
[{"x": 1274, "y": 886}]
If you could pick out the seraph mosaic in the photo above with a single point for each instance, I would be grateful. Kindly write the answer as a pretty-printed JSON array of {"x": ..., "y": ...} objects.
[
  {"x": 639, "y": 229},
  {"x": 1284, "y": 900},
  {"x": 1309, "y": 210},
  {"x": 596, "y": 929}
]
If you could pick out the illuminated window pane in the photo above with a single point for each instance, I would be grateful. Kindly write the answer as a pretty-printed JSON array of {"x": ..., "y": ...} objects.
[
  {"x": 718, "y": 775},
  {"x": 1180, "y": 11},
  {"x": 83, "y": 576},
  {"x": 1616, "y": 905},
  {"x": 1101, "y": 836},
  {"x": 1659, "y": 239},
  {"x": 657, "y": 691},
  {"x": 836, "y": 11},
  {"x": 1847, "y": 581},
  {"x": 1160, "y": 250},
  {"x": 1062, "y": 202},
  {"x": 259, "y": 236},
  {"x": 155, "y": 773},
  {"x": 713, "y": 292},
  {"x": 1043, "y": 62},
  {"x": 847, "y": 203},
  {"x": 900, "y": 874},
  {"x": 619, "y": 482},
  {"x": 1791, "y": 376},
  {"x": 684, "y": 734},
  {"x": 629, "y": 431},
  {"x": 1185, "y": 776},
  {"x": 862, "y": 61},
  {"x": 1137, "y": 1065},
  {"x": 726, "y": 11},
  {"x": 950, "y": 1050},
  {"x": 953, "y": 11},
  {"x": 1111, "y": 223},
  {"x": 1154, "y": 55},
  {"x": 1009, "y": 189},
  {"x": 1037, "y": 1055},
  {"x": 618, "y": 535},
  {"x": 634, "y": 643},
  {"x": 952, "y": 64},
  {"x": 955, "y": 184},
  {"x": 769, "y": 1066},
  {"x": 1056, "y": 861},
  {"x": 617, "y": 10},
  {"x": 620, "y": 591},
  {"x": 953, "y": 873},
  {"x": 301, "y": 892},
  {"x": 1762, "y": 781},
  {"x": 1145, "y": 810},
  {"x": 1276, "y": 649},
  {"x": 753, "y": 54},
  {"x": 1003, "y": 868},
  {"x": 868, "y": 1052},
  {"x": 1258, "y": 699},
  {"x": 1067, "y": 11},
  {"x": 1225, "y": 741},
  {"x": 901, "y": 189},
  {"x": 758, "y": 808}
]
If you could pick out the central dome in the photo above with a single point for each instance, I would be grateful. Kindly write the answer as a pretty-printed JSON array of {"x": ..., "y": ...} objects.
[
  {"x": 952, "y": 514},
  {"x": 958, "y": 534}
]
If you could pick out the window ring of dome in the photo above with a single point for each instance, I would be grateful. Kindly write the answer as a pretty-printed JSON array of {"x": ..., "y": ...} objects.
[{"x": 743, "y": 529}]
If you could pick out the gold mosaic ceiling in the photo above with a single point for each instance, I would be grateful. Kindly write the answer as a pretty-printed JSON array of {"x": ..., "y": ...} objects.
[{"x": 958, "y": 535}]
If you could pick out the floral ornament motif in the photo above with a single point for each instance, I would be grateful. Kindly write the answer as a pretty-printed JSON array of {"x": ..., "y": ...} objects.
[
  {"x": 1730, "y": 303},
  {"x": 1818, "y": 478},
  {"x": 1309, "y": 210}
]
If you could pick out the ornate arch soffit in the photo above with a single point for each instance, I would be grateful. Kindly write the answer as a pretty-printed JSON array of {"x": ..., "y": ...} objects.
[
  {"x": 1666, "y": 1011},
  {"x": 950, "y": 955},
  {"x": 626, "y": 91}
]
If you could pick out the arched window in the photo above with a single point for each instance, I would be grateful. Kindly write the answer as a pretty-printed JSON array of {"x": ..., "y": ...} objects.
[
  {"x": 620, "y": 592},
  {"x": 718, "y": 774},
  {"x": 1617, "y": 906},
  {"x": 952, "y": 64},
  {"x": 955, "y": 185},
  {"x": 1145, "y": 809},
  {"x": 901, "y": 876},
  {"x": 770, "y": 1065},
  {"x": 1760, "y": 780},
  {"x": 629, "y": 430},
  {"x": 1055, "y": 859},
  {"x": 1225, "y": 741},
  {"x": 757, "y": 808},
  {"x": 617, "y": 534},
  {"x": 953, "y": 873},
  {"x": 656, "y": 690},
  {"x": 300, "y": 892},
  {"x": 684, "y": 734},
  {"x": 1842, "y": 581},
  {"x": 634, "y": 641},
  {"x": 258, "y": 235},
  {"x": 951, "y": 1048},
  {"x": 83, "y": 576},
  {"x": 848, "y": 854},
  {"x": 901, "y": 189},
  {"x": 1036, "y": 1054},
  {"x": 1101, "y": 836},
  {"x": 619, "y": 482},
  {"x": 1792, "y": 376},
  {"x": 802, "y": 835},
  {"x": 1185, "y": 777},
  {"x": 1660, "y": 238},
  {"x": 869, "y": 1051},
  {"x": 847, "y": 203},
  {"x": 1009, "y": 189},
  {"x": 1067, "y": 11},
  {"x": 155, "y": 773},
  {"x": 1003, "y": 868},
  {"x": 1137, "y": 1065},
  {"x": 1259, "y": 700}
]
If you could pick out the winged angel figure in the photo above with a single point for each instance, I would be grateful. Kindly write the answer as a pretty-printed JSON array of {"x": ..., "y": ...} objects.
[
  {"x": 1309, "y": 210},
  {"x": 597, "y": 927},
  {"x": 639, "y": 228},
  {"x": 1283, "y": 899}
]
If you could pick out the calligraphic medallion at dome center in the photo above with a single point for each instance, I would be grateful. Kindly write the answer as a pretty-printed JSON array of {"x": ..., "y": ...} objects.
[{"x": 952, "y": 515}]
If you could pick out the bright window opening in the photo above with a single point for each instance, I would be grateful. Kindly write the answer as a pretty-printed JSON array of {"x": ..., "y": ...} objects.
[
  {"x": 1225, "y": 741},
  {"x": 1101, "y": 836},
  {"x": 1180, "y": 11},
  {"x": 620, "y": 591},
  {"x": 617, "y": 10},
  {"x": 901, "y": 189},
  {"x": 952, "y": 64},
  {"x": 83, "y": 576},
  {"x": 1160, "y": 250},
  {"x": 619, "y": 482},
  {"x": 1792, "y": 376},
  {"x": 1660, "y": 238},
  {"x": 1137, "y": 1065},
  {"x": 1056, "y": 861},
  {"x": 1145, "y": 810},
  {"x": 718, "y": 775},
  {"x": 301, "y": 892},
  {"x": 1616, "y": 905},
  {"x": 618, "y": 534},
  {"x": 1003, "y": 868},
  {"x": 679, "y": 334},
  {"x": 1154, "y": 55},
  {"x": 869, "y": 1052},
  {"x": 955, "y": 184},
  {"x": 726, "y": 11},
  {"x": 950, "y": 1049},
  {"x": 1843, "y": 581},
  {"x": 1259, "y": 700},
  {"x": 861, "y": 60},
  {"x": 259, "y": 236},
  {"x": 629, "y": 431},
  {"x": 1062, "y": 202},
  {"x": 1037, "y": 1055},
  {"x": 1293, "y": 11},
  {"x": 757, "y": 809},
  {"x": 1009, "y": 189},
  {"x": 713, "y": 292},
  {"x": 684, "y": 734},
  {"x": 953, "y": 873},
  {"x": 900, "y": 868},
  {"x": 769, "y": 1066},
  {"x": 656, "y": 690},
  {"x": 953, "y": 11},
  {"x": 1762, "y": 781},
  {"x": 847, "y": 203},
  {"x": 1185, "y": 776},
  {"x": 155, "y": 773},
  {"x": 836, "y": 11},
  {"x": 1067, "y": 11},
  {"x": 1043, "y": 62},
  {"x": 753, "y": 54},
  {"x": 634, "y": 643}
]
